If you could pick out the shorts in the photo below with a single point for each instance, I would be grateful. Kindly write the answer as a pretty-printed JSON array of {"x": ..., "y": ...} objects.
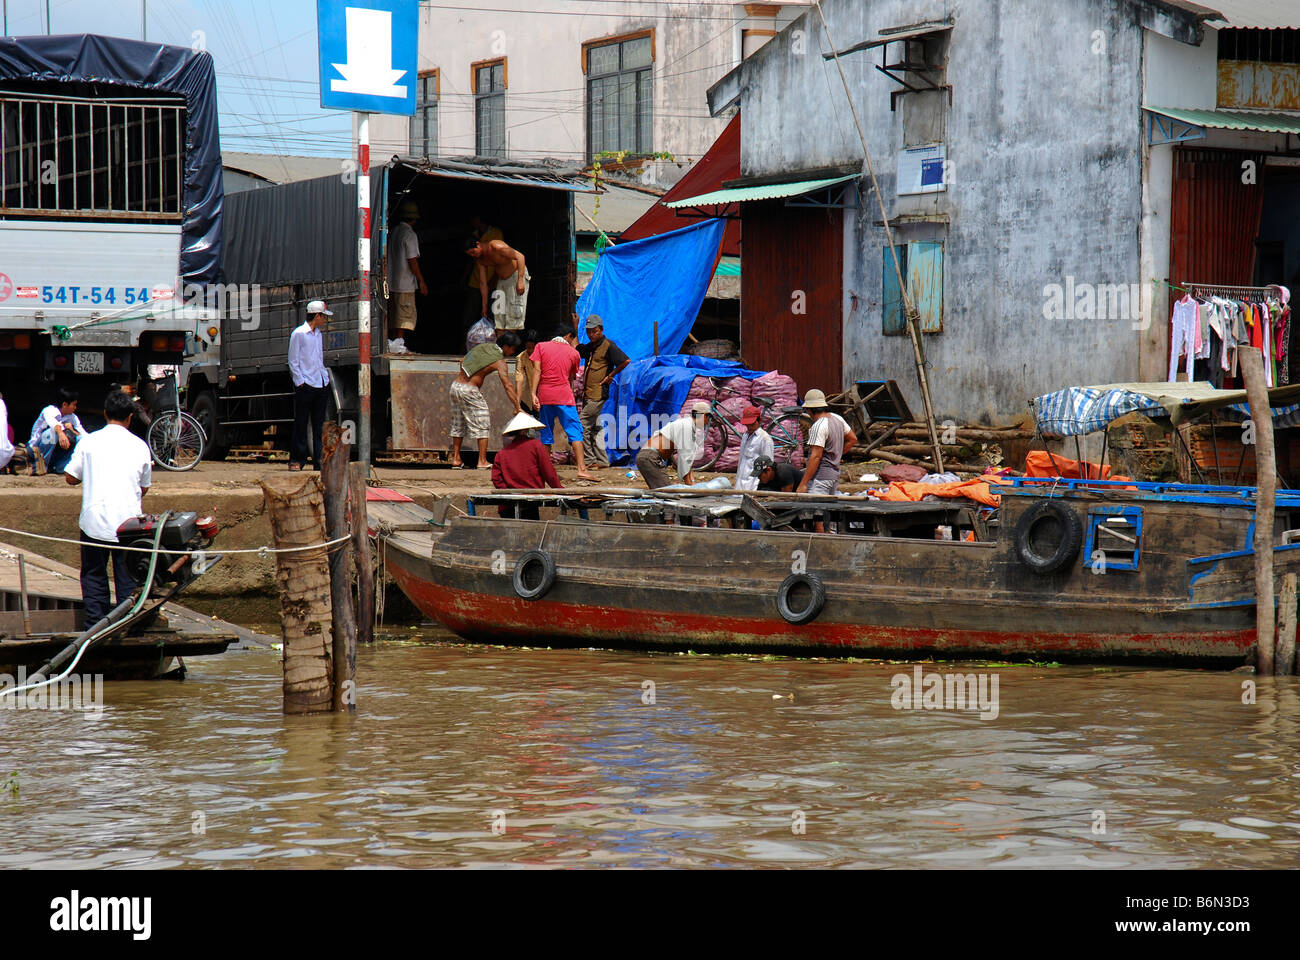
[
  {"x": 469, "y": 412},
  {"x": 404, "y": 310},
  {"x": 568, "y": 420},
  {"x": 509, "y": 309},
  {"x": 827, "y": 487}
]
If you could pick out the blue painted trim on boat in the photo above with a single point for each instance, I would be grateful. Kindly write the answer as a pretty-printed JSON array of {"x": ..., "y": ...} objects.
[
  {"x": 1098, "y": 516},
  {"x": 1167, "y": 492},
  {"x": 1191, "y": 583},
  {"x": 1241, "y": 553},
  {"x": 469, "y": 506},
  {"x": 1216, "y": 604}
]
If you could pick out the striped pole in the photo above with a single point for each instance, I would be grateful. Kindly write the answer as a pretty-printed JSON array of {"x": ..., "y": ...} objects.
[{"x": 363, "y": 302}]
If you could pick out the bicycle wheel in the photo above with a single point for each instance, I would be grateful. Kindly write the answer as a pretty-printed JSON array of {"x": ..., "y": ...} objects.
[
  {"x": 787, "y": 440},
  {"x": 718, "y": 436},
  {"x": 176, "y": 441}
]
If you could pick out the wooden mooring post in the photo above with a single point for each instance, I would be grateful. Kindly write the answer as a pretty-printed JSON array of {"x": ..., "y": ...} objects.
[
  {"x": 298, "y": 520},
  {"x": 361, "y": 551},
  {"x": 335, "y": 480},
  {"x": 1261, "y": 415},
  {"x": 1286, "y": 619}
]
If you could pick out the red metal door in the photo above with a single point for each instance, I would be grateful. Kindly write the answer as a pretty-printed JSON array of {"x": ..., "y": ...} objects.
[
  {"x": 1216, "y": 209},
  {"x": 790, "y": 289}
]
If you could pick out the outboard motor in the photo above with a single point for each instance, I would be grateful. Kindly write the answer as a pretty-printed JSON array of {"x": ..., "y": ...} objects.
[{"x": 182, "y": 533}]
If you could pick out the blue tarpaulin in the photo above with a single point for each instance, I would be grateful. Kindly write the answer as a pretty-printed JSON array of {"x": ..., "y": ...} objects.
[
  {"x": 650, "y": 393},
  {"x": 661, "y": 278}
]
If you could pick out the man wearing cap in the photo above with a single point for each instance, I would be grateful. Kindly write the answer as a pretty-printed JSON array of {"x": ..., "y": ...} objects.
[
  {"x": 603, "y": 362},
  {"x": 310, "y": 384},
  {"x": 469, "y": 410},
  {"x": 404, "y": 272},
  {"x": 829, "y": 437},
  {"x": 754, "y": 443},
  {"x": 523, "y": 464},
  {"x": 681, "y": 437},
  {"x": 775, "y": 476}
]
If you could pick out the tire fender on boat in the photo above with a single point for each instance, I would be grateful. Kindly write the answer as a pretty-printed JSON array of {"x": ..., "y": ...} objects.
[
  {"x": 809, "y": 598},
  {"x": 534, "y": 574},
  {"x": 1048, "y": 537}
]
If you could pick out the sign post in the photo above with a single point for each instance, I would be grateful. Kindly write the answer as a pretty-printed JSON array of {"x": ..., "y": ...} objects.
[{"x": 368, "y": 64}]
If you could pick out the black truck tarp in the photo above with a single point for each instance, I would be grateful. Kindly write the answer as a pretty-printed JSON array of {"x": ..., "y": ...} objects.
[
  {"x": 138, "y": 64},
  {"x": 302, "y": 232}
]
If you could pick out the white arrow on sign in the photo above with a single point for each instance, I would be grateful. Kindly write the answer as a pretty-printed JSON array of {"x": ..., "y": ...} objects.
[{"x": 369, "y": 70}]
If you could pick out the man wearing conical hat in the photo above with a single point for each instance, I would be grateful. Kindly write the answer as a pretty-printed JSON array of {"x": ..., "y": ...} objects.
[{"x": 523, "y": 464}]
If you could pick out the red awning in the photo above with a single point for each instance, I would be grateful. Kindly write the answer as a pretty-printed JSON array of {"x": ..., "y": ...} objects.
[{"x": 721, "y": 162}]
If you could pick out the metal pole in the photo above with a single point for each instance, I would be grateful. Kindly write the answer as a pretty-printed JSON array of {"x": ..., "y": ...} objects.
[
  {"x": 913, "y": 318},
  {"x": 363, "y": 302},
  {"x": 6, "y": 12},
  {"x": 144, "y": 20},
  {"x": 47, "y": 17}
]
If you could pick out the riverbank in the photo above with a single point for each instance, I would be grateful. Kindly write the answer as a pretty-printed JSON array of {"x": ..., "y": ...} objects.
[{"x": 230, "y": 491}]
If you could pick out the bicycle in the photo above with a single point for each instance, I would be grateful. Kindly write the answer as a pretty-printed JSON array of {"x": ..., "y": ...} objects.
[
  {"x": 175, "y": 439},
  {"x": 786, "y": 430}
]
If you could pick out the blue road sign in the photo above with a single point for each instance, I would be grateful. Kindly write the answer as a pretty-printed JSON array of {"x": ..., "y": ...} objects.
[{"x": 368, "y": 54}]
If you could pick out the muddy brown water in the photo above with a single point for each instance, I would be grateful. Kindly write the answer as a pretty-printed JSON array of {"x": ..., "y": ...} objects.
[{"x": 480, "y": 756}]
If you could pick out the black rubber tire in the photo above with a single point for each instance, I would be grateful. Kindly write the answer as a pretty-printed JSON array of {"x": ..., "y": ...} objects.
[
  {"x": 204, "y": 410},
  {"x": 718, "y": 433},
  {"x": 1048, "y": 537},
  {"x": 808, "y": 611},
  {"x": 526, "y": 579}
]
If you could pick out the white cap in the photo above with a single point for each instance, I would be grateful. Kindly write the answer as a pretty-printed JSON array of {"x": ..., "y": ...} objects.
[
  {"x": 522, "y": 421},
  {"x": 318, "y": 306}
]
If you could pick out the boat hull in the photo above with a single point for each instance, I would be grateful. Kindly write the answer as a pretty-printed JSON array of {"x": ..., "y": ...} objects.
[{"x": 629, "y": 585}]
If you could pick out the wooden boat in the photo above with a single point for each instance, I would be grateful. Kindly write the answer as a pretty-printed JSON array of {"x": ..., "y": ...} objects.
[{"x": 1063, "y": 570}]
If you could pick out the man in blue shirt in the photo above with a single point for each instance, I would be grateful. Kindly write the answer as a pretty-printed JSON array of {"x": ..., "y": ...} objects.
[{"x": 310, "y": 385}]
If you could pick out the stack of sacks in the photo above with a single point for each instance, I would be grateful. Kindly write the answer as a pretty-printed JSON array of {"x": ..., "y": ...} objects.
[{"x": 784, "y": 392}]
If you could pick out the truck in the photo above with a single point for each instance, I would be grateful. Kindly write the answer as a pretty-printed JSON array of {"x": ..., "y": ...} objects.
[
  {"x": 110, "y": 214},
  {"x": 297, "y": 242}
]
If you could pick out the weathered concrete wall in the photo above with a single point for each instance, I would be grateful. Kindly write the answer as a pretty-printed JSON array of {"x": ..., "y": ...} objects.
[{"x": 1044, "y": 140}]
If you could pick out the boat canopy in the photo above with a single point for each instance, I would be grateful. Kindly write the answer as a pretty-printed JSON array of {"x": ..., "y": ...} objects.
[{"x": 1075, "y": 411}]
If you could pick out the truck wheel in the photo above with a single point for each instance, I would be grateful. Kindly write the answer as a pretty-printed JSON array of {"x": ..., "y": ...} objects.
[{"x": 204, "y": 410}]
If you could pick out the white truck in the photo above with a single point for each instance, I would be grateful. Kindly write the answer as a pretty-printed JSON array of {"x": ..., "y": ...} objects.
[{"x": 110, "y": 215}]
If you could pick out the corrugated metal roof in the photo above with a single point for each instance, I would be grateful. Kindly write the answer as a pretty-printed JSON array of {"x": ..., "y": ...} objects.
[
  {"x": 773, "y": 191},
  {"x": 1255, "y": 14},
  {"x": 1234, "y": 119},
  {"x": 277, "y": 168},
  {"x": 619, "y": 208}
]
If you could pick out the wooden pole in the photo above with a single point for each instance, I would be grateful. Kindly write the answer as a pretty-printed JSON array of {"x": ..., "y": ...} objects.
[
  {"x": 298, "y": 519},
  {"x": 22, "y": 581},
  {"x": 1252, "y": 370},
  {"x": 361, "y": 550},
  {"x": 656, "y": 338},
  {"x": 1286, "y": 617},
  {"x": 334, "y": 478}
]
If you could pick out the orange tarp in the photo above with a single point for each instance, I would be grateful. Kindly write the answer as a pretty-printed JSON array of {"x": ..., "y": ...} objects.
[
  {"x": 1039, "y": 463},
  {"x": 978, "y": 490}
]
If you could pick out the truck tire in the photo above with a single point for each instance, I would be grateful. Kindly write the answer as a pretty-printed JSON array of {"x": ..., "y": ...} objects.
[
  {"x": 204, "y": 410},
  {"x": 1048, "y": 537}
]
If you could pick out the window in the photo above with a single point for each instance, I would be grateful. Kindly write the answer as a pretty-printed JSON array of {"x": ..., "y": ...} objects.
[
  {"x": 112, "y": 158},
  {"x": 424, "y": 124},
  {"x": 1114, "y": 540},
  {"x": 490, "y": 108},
  {"x": 921, "y": 262},
  {"x": 620, "y": 93}
]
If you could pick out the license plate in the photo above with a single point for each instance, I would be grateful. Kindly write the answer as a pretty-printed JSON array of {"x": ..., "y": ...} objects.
[{"x": 88, "y": 361}]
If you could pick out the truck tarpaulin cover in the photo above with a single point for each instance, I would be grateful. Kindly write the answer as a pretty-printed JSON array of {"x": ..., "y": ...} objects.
[
  {"x": 266, "y": 242},
  {"x": 650, "y": 393},
  {"x": 662, "y": 278},
  {"x": 146, "y": 66}
]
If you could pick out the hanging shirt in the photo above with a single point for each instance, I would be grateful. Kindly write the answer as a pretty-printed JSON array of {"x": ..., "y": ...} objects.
[
  {"x": 752, "y": 446},
  {"x": 6, "y": 445},
  {"x": 1183, "y": 337}
]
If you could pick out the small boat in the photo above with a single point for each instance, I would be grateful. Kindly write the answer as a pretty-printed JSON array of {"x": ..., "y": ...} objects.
[{"x": 1062, "y": 570}]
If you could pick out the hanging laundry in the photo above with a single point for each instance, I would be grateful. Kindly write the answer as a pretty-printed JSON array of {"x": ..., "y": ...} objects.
[{"x": 1184, "y": 339}]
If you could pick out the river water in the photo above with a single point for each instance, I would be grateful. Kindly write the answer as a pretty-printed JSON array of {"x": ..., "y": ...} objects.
[{"x": 488, "y": 756}]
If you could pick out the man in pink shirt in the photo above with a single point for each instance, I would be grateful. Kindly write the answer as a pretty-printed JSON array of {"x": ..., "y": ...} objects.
[{"x": 555, "y": 365}]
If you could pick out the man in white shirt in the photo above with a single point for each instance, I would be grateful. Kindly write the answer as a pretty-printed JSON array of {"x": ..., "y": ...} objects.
[
  {"x": 310, "y": 384},
  {"x": 754, "y": 443},
  {"x": 55, "y": 432},
  {"x": 6, "y": 445},
  {"x": 681, "y": 437},
  {"x": 404, "y": 275},
  {"x": 115, "y": 466}
]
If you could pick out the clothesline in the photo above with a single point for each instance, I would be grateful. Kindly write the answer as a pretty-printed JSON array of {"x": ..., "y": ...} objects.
[{"x": 1211, "y": 322}]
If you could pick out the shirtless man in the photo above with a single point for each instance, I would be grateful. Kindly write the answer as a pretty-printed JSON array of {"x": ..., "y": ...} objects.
[
  {"x": 468, "y": 408},
  {"x": 497, "y": 263}
]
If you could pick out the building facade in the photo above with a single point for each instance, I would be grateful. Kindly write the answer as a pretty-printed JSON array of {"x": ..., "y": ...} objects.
[
  {"x": 572, "y": 81},
  {"x": 1040, "y": 199}
]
